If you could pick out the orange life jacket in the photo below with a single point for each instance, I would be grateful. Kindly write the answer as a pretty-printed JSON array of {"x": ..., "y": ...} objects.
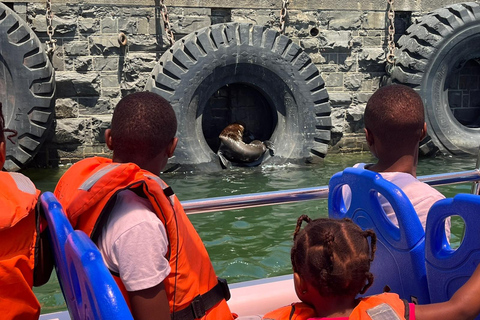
[
  {"x": 381, "y": 306},
  {"x": 87, "y": 191},
  {"x": 18, "y": 237},
  {"x": 369, "y": 308},
  {"x": 295, "y": 311}
]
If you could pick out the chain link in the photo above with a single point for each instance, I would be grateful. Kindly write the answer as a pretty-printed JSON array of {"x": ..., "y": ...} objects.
[
  {"x": 283, "y": 16},
  {"x": 126, "y": 62},
  {"x": 391, "y": 36},
  {"x": 51, "y": 43},
  {"x": 166, "y": 23}
]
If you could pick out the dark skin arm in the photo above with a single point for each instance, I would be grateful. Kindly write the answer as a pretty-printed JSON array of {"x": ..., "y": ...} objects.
[
  {"x": 150, "y": 304},
  {"x": 43, "y": 253},
  {"x": 464, "y": 304}
]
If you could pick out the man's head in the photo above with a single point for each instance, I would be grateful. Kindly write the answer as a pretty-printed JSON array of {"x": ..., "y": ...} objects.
[
  {"x": 394, "y": 116},
  {"x": 143, "y": 130}
]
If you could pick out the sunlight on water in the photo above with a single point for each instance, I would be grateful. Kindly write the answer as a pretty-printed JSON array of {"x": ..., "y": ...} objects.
[{"x": 255, "y": 243}]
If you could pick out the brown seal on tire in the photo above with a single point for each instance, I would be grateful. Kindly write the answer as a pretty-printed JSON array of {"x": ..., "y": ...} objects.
[{"x": 234, "y": 149}]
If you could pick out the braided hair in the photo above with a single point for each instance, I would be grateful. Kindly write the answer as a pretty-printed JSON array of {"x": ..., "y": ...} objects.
[{"x": 333, "y": 255}]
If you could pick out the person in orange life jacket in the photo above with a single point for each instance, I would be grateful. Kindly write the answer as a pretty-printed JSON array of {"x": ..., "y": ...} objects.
[
  {"x": 394, "y": 126},
  {"x": 137, "y": 222},
  {"x": 331, "y": 263},
  {"x": 25, "y": 255}
]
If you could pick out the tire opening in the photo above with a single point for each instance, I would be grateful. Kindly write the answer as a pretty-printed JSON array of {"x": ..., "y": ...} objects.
[
  {"x": 464, "y": 94},
  {"x": 238, "y": 102}
]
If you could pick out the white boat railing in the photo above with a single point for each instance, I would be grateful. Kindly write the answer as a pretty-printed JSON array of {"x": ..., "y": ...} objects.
[{"x": 251, "y": 200}]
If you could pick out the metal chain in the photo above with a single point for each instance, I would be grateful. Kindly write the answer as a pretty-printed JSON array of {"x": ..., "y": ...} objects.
[
  {"x": 391, "y": 36},
  {"x": 283, "y": 16},
  {"x": 51, "y": 43},
  {"x": 166, "y": 23},
  {"x": 126, "y": 62}
]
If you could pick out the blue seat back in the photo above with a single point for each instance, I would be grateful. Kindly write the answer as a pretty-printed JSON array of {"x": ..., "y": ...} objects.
[
  {"x": 399, "y": 260},
  {"x": 449, "y": 269},
  {"x": 88, "y": 287}
]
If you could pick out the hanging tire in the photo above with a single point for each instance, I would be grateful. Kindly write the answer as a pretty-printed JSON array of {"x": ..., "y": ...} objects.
[
  {"x": 27, "y": 88},
  {"x": 198, "y": 65},
  {"x": 431, "y": 54}
]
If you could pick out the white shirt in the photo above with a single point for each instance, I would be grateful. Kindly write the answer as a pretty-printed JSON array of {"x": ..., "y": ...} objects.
[
  {"x": 421, "y": 195},
  {"x": 134, "y": 243}
]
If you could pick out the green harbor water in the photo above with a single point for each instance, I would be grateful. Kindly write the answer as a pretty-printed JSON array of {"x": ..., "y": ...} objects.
[{"x": 255, "y": 243}]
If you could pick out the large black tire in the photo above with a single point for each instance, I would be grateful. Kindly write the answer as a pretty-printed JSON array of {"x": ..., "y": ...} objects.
[
  {"x": 202, "y": 62},
  {"x": 429, "y": 54},
  {"x": 27, "y": 88}
]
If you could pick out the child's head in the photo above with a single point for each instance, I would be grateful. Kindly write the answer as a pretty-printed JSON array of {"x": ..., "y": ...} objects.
[
  {"x": 395, "y": 115},
  {"x": 143, "y": 126},
  {"x": 333, "y": 255}
]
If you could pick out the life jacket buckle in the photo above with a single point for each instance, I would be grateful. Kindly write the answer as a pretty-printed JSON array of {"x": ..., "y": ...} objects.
[
  {"x": 225, "y": 288},
  {"x": 198, "y": 307}
]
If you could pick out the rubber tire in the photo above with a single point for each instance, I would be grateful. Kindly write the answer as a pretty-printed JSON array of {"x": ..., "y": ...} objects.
[
  {"x": 206, "y": 60},
  {"x": 27, "y": 88},
  {"x": 428, "y": 54}
]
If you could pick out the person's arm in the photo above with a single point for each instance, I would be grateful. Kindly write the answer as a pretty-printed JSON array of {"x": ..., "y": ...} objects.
[
  {"x": 134, "y": 244},
  {"x": 43, "y": 252},
  {"x": 464, "y": 304},
  {"x": 150, "y": 304}
]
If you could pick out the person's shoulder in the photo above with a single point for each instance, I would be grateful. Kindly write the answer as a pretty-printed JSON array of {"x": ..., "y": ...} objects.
[
  {"x": 409, "y": 184},
  {"x": 361, "y": 165},
  {"x": 401, "y": 179},
  {"x": 297, "y": 310},
  {"x": 131, "y": 209},
  {"x": 23, "y": 182},
  {"x": 128, "y": 198}
]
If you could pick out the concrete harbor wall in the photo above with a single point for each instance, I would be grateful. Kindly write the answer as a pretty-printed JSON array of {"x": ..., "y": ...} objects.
[{"x": 346, "y": 40}]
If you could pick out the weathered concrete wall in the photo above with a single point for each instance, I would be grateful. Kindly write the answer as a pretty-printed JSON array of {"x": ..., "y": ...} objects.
[
  {"x": 345, "y": 39},
  {"x": 405, "y": 5}
]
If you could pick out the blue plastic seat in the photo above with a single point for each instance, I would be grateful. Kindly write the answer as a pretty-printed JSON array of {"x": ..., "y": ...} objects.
[
  {"x": 400, "y": 257},
  {"x": 88, "y": 287},
  {"x": 449, "y": 269}
]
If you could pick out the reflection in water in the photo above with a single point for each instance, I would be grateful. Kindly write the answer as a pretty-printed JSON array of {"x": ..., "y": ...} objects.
[{"x": 254, "y": 243}]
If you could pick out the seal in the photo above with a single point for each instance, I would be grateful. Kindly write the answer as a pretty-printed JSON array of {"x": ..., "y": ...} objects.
[{"x": 234, "y": 149}]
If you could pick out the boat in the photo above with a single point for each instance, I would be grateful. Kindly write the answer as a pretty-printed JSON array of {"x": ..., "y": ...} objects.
[{"x": 90, "y": 291}]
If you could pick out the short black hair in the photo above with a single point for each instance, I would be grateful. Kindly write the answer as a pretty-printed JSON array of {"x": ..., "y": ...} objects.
[
  {"x": 143, "y": 124},
  {"x": 395, "y": 114},
  {"x": 333, "y": 255}
]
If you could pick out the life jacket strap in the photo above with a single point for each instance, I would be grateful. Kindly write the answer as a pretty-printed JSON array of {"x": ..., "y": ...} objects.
[{"x": 203, "y": 302}]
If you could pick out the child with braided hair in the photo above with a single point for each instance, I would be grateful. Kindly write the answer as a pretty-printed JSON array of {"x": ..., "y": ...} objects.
[{"x": 331, "y": 262}]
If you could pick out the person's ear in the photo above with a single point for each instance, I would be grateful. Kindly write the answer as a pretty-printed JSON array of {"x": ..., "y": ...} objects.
[
  {"x": 108, "y": 139},
  {"x": 3, "y": 153},
  {"x": 171, "y": 147},
  {"x": 300, "y": 285},
  {"x": 369, "y": 137},
  {"x": 424, "y": 131}
]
